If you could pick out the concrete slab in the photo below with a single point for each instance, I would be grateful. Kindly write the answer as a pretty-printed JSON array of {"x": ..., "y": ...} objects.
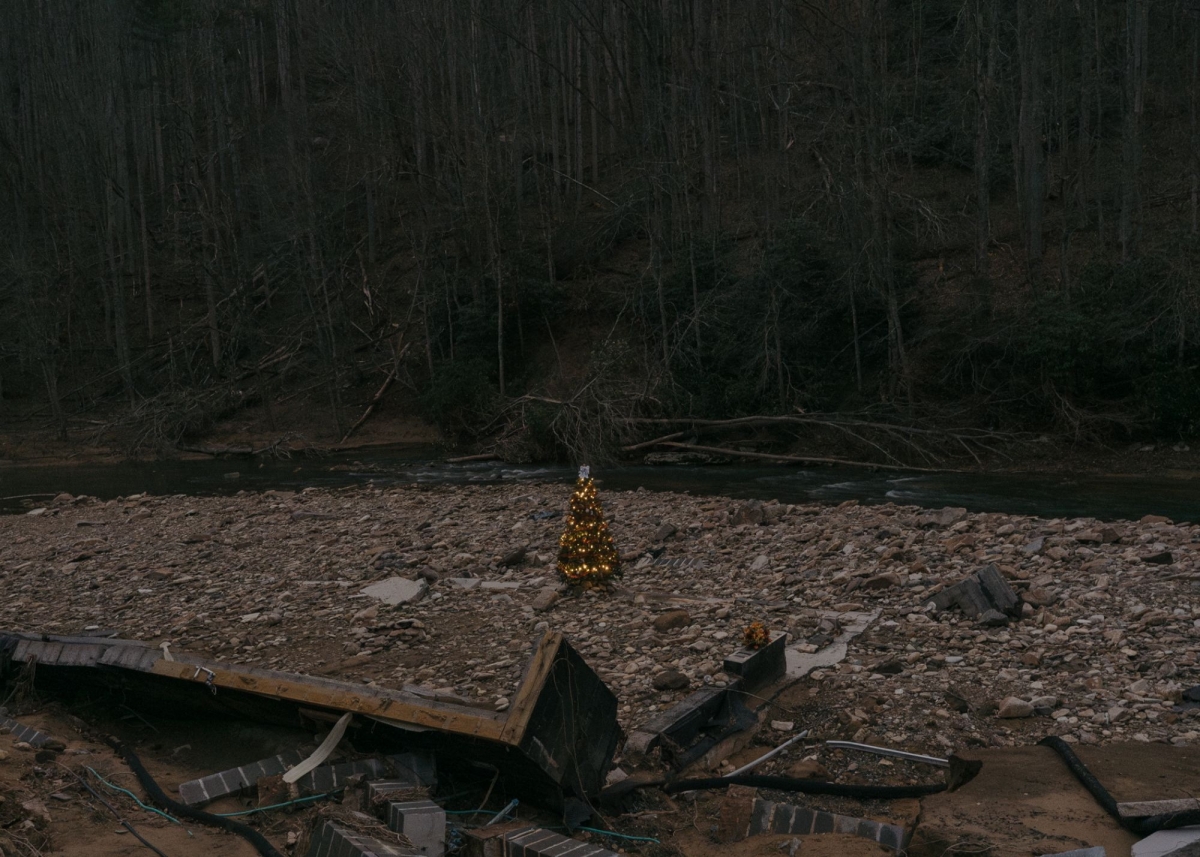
[
  {"x": 800, "y": 664},
  {"x": 397, "y": 590},
  {"x": 1167, "y": 842}
]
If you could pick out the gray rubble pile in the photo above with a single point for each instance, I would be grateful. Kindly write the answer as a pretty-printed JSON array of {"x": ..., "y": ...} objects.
[{"x": 1099, "y": 646}]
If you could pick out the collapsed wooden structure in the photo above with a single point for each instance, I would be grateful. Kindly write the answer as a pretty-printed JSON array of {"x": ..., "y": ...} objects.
[{"x": 555, "y": 741}]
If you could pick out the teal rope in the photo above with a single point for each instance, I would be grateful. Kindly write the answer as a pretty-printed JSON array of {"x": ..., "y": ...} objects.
[
  {"x": 470, "y": 812},
  {"x": 135, "y": 798},
  {"x": 621, "y": 835},
  {"x": 309, "y": 799}
]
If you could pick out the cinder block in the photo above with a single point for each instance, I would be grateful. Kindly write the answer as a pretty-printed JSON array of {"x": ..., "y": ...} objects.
[
  {"x": 234, "y": 780},
  {"x": 21, "y": 732},
  {"x": 330, "y": 778},
  {"x": 535, "y": 842},
  {"x": 782, "y": 818},
  {"x": 759, "y": 667},
  {"x": 334, "y": 841},
  {"x": 423, "y": 822}
]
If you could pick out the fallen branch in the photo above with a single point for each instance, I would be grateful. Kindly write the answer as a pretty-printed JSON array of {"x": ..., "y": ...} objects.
[
  {"x": 648, "y": 443},
  {"x": 483, "y": 456},
  {"x": 247, "y": 451},
  {"x": 375, "y": 400},
  {"x": 798, "y": 459}
]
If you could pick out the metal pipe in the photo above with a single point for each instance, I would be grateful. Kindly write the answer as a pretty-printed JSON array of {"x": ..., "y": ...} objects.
[
  {"x": 512, "y": 804},
  {"x": 884, "y": 751},
  {"x": 789, "y": 742}
]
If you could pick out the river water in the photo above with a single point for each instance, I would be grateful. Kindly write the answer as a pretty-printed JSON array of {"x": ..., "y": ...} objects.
[{"x": 1048, "y": 495}]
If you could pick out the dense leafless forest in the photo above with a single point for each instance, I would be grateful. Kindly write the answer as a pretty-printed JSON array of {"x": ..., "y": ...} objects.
[{"x": 541, "y": 220}]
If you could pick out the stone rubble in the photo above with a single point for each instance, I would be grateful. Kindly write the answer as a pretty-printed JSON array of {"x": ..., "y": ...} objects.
[{"x": 1102, "y": 648}]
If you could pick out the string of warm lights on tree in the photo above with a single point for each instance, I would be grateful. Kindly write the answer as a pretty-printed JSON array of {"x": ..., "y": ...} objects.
[{"x": 586, "y": 553}]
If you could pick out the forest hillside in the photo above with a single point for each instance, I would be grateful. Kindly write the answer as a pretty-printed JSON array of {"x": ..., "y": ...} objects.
[{"x": 552, "y": 226}]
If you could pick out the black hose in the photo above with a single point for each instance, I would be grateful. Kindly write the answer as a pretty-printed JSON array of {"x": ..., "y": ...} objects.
[
  {"x": 810, "y": 787},
  {"x": 1143, "y": 826},
  {"x": 159, "y": 797}
]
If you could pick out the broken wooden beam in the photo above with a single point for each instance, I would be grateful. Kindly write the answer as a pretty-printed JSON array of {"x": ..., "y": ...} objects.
[{"x": 562, "y": 723}]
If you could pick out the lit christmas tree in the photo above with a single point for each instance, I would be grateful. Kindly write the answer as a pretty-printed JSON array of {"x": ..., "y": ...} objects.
[{"x": 586, "y": 553}]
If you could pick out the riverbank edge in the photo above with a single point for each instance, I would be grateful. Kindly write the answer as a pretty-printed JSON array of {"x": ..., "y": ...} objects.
[{"x": 21, "y": 447}]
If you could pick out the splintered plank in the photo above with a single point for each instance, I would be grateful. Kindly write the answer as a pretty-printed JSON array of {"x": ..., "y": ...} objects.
[
  {"x": 342, "y": 696},
  {"x": 536, "y": 673}
]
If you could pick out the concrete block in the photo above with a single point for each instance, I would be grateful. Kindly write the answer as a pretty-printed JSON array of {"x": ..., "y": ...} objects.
[
  {"x": 423, "y": 822},
  {"x": 234, "y": 780},
  {"x": 759, "y": 667},
  {"x": 397, "y": 590},
  {"x": 333, "y": 840}
]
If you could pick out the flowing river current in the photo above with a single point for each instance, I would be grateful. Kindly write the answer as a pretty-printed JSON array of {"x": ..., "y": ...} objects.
[{"x": 1047, "y": 495}]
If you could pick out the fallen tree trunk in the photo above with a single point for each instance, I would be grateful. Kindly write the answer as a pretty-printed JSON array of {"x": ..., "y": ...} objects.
[{"x": 375, "y": 400}]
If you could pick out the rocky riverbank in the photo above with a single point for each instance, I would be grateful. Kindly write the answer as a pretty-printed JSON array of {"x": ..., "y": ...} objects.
[{"x": 1105, "y": 648}]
